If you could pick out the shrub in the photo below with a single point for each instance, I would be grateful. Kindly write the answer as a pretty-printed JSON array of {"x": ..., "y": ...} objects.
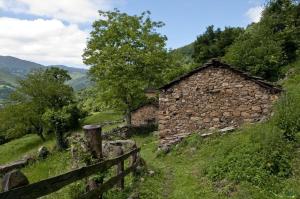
[
  {"x": 262, "y": 157},
  {"x": 287, "y": 115},
  {"x": 76, "y": 190}
]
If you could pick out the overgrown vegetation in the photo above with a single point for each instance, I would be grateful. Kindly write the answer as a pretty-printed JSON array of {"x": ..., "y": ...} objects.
[
  {"x": 263, "y": 48},
  {"x": 214, "y": 43},
  {"x": 127, "y": 55},
  {"x": 42, "y": 103}
]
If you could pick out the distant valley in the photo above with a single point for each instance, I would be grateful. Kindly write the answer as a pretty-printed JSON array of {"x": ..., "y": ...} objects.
[{"x": 12, "y": 69}]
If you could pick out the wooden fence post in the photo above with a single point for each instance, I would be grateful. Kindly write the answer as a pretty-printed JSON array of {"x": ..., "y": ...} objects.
[
  {"x": 93, "y": 136},
  {"x": 120, "y": 168},
  {"x": 133, "y": 162},
  {"x": 94, "y": 139}
]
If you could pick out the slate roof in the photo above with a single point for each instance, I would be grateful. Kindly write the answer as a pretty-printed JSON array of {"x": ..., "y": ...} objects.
[{"x": 217, "y": 64}]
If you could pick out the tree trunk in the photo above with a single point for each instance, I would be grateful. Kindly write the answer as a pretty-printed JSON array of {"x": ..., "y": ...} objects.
[
  {"x": 40, "y": 133},
  {"x": 42, "y": 136},
  {"x": 60, "y": 142},
  {"x": 128, "y": 117}
]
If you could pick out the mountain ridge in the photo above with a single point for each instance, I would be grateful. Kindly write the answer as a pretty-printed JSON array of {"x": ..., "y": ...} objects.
[{"x": 13, "y": 68}]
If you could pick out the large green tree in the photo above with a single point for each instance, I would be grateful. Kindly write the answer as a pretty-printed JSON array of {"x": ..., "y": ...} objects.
[
  {"x": 126, "y": 55},
  {"x": 267, "y": 46},
  {"x": 214, "y": 43},
  {"x": 39, "y": 92}
]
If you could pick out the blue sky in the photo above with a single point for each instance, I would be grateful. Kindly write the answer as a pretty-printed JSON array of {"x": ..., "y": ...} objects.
[
  {"x": 185, "y": 19},
  {"x": 55, "y": 32}
]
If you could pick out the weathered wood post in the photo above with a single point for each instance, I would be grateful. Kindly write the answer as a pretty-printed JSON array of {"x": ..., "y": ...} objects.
[
  {"x": 120, "y": 168},
  {"x": 134, "y": 161},
  {"x": 94, "y": 140},
  {"x": 93, "y": 136}
]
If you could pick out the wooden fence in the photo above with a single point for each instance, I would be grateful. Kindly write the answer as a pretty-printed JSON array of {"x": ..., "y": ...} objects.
[{"x": 51, "y": 185}]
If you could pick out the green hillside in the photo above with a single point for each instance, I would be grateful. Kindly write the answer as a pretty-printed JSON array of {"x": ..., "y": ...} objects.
[
  {"x": 17, "y": 67},
  {"x": 187, "y": 50},
  {"x": 12, "y": 69}
]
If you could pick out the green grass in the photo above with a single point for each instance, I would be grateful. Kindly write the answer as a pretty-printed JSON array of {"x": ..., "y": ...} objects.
[
  {"x": 16, "y": 149},
  {"x": 100, "y": 117},
  {"x": 183, "y": 172},
  {"x": 179, "y": 174},
  {"x": 56, "y": 164}
]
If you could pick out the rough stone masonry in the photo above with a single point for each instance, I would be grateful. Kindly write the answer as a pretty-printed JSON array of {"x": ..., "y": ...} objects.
[
  {"x": 144, "y": 115},
  {"x": 214, "y": 96}
]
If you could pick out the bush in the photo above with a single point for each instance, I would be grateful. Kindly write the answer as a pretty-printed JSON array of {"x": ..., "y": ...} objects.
[
  {"x": 287, "y": 115},
  {"x": 262, "y": 158},
  {"x": 76, "y": 190}
]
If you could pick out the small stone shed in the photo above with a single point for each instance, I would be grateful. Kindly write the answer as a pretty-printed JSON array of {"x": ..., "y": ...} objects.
[
  {"x": 213, "y": 96},
  {"x": 145, "y": 114}
]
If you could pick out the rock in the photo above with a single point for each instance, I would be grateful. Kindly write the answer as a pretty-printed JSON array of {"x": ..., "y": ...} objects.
[
  {"x": 227, "y": 114},
  {"x": 151, "y": 173},
  {"x": 29, "y": 158},
  {"x": 214, "y": 114},
  {"x": 239, "y": 86},
  {"x": 195, "y": 118},
  {"x": 206, "y": 120},
  {"x": 156, "y": 133},
  {"x": 229, "y": 91},
  {"x": 216, "y": 119},
  {"x": 14, "y": 179},
  {"x": 43, "y": 152},
  {"x": 16, "y": 165},
  {"x": 236, "y": 113},
  {"x": 165, "y": 149},
  {"x": 206, "y": 135},
  {"x": 245, "y": 115},
  {"x": 109, "y": 148},
  {"x": 227, "y": 129}
]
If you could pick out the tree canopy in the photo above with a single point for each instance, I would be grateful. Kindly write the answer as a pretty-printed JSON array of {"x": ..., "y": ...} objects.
[
  {"x": 41, "y": 92},
  {"x": 267, "y": 46},
  {"x": 214, "y": 43},
  {"x": 126, "y": 55}
]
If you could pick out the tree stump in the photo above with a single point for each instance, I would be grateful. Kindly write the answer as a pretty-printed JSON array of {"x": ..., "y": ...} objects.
[
  {"x": 94, "y": 140},
  {"x": 93, "y": 137},
  {"x": 120, "y": 168}
]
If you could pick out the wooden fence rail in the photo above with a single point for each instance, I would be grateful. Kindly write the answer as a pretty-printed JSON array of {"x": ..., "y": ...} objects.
[{"x": 54, "y": 184}]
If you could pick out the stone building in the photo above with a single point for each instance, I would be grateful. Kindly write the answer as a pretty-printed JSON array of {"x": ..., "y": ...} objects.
[
  {"x": 145, "y": 114},
  {"x": 213, "y": 96}
]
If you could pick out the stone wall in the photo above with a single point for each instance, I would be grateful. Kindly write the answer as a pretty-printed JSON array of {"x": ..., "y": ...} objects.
[
  {"x": 126, "y": 132},
  {"x": 213, "y": 98},
  {"x": 147, "y": 114}
]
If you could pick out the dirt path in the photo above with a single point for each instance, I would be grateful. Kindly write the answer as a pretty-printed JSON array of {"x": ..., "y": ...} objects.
[{"x": 168, "y": 181}]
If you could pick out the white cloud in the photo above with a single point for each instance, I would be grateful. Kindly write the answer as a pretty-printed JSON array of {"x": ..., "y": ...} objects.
[
  {"x": 1, "y": 4},
  {"x": 42, "y": 41},
  {"x": 74, "y": 11},
  {"x": 254, "y": 13}
]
